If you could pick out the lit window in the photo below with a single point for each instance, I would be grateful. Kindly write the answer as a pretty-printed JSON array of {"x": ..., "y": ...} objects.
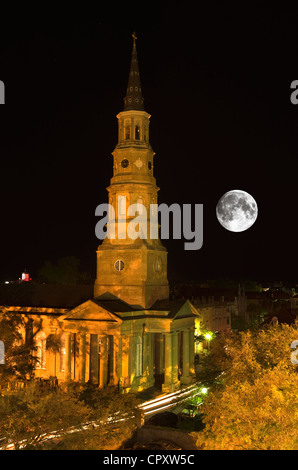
[{"x": 137, "y": 133}]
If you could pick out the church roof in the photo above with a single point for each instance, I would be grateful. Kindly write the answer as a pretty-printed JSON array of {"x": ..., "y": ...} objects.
[
  {"x": 167, "y": 308},
  {"x": 92, "y": 311},
  {"x": 114, "y": 305},
  {"x": 134, "y": 99},
  {"x": 176, "y": 308}
]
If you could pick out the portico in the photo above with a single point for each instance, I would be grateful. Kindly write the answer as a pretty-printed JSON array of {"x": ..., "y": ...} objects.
[{"x": 132, "y": 349}]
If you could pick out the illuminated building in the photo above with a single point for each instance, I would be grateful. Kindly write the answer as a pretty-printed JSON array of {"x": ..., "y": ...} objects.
[{"x": 130, "y": 334}]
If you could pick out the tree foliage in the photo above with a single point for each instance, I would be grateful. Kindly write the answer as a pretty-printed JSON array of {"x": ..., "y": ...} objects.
[
  {"x": 30, "y": 415},
  {"x": 19, "y": 361},
  {"x": 253, "y": 403},
  {"x": 66, "y": 271}
]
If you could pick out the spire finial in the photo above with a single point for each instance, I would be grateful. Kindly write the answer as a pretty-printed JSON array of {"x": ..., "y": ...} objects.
[{"x": 133, "y": 98}]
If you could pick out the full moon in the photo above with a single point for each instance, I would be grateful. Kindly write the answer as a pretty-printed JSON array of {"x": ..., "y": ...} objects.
[{"x": 236, "y": 210}]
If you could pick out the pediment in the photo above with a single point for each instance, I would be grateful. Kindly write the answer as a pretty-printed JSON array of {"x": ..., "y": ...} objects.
[
  {"x": 91, "y": 311},
  {"x": 187, "y": 310}
]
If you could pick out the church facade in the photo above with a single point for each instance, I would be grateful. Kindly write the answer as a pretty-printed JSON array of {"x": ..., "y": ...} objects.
[{"x": 129, "y": 334}]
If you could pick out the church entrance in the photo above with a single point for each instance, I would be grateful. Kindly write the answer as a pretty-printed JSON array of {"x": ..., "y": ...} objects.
[{"x": 101, "y": 363}]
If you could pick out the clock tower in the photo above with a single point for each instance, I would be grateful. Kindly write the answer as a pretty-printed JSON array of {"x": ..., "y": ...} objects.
[{"x": 133, "y": 269}]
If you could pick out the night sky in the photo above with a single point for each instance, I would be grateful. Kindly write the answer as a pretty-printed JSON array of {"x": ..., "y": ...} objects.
[{"x": 216, "y": 81}]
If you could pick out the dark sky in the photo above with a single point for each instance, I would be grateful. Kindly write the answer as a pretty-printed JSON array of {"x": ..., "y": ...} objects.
[{"x": 216, "y": 80}]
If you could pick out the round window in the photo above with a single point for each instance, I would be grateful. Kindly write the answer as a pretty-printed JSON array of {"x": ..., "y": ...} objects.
[
  {"x": 125, "y": 163},
  {"x": 119, "y": 265}
]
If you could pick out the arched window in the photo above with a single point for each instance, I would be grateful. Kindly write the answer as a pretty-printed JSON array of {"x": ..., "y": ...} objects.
[
  {"x": 127, "y": 132},
  {"x": 122, "y": 205},
  {"x": 139, "y": 356},
  {"x": 137, "y": 133},
  {"x": 140, "y": 204},
  {"x": 40, "y": 342}
]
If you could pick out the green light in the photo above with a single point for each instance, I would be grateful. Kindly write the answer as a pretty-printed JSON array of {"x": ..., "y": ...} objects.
[
  {"x": 204, "y": 390},
  {"x": 208, "y": 336}
]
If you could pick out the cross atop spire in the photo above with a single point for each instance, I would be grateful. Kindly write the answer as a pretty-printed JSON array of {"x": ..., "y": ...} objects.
[
  {"x": 134, "y": 37},
  {"x": 134, "y": 98}
]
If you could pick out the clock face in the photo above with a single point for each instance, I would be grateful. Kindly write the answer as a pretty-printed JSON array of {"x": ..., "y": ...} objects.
[
  {"x": 124, "y": 163},
  {"x": 139, "y": 163},
  {"x": 119, "y": 265}
]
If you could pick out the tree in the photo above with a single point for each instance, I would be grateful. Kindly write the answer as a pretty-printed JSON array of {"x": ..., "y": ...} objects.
[
  {"x": 253, "y": 403},
  {"x": 65, "y": 271},
  {"x": 105, "y": 403},
  {"x": 30, "y": 415},
  {"x": 27, "y": 414},
  {"x": 19, "y": 361}
]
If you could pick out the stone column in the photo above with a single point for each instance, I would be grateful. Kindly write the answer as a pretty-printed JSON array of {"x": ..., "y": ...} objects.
[
  {"x": 119, "y": 360},
  {"x": 175, "y": 358},
  {"x": 145, "y": 366},
  {"x": 76, "y": 356},
  {"x": 67, "y": 356},
  {"x": 148, "y": 358},
  {"x": 82, "y": 357},
  {"x": 110, "y": 353},
  {"x": 94, "y": 360},
  {"x": 167, "y": 385},
  {"x": 103, "y": 368},
  {"x": 161, "y": 353},
  {"x": 191, "y": 352},
  {"x": 151, "y": 359},
  {"x": 185, "y": 379},
  {"x": 114, "y": 364},
  {"x": 124, "y": 358}
]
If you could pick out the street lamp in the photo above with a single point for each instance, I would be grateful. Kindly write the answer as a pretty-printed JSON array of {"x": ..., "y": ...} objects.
[{"x": 208, "y": 336}]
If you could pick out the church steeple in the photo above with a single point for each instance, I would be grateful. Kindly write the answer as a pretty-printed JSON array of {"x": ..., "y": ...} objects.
[
  {"x": 134, "y": 99},
  {"x": 132, "y": 268}
]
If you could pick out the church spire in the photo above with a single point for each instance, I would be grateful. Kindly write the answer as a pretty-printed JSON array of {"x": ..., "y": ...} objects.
[{"x": 134, "y": 99}]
